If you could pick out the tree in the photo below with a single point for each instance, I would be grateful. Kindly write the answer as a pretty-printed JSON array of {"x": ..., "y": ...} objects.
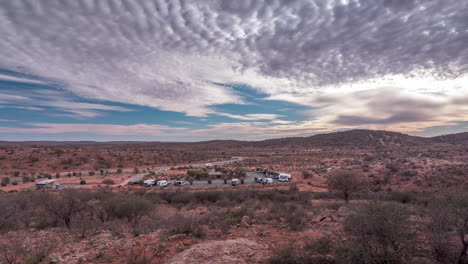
[
  {"x": 380, "y": 232},
  {"x": 345, "y": 181},
  {"x": 306, "y": 174},
  {"x": 133, "y": 208},
  {"x": 65, "y": 207},
  {"x": 454, "y": 207}
]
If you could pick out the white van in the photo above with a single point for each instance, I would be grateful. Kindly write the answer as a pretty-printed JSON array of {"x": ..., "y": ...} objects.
[
  {"x": 162, "y": 183},
  {"x": 267, "y": 181},
  {"x": 235, "y": 182},
  {"x": 148, "y": 183}
]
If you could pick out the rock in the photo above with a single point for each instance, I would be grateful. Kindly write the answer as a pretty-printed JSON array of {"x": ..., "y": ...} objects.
[
  {"x": 245, "y": 221},
  {"x": 234, "y": 251}
]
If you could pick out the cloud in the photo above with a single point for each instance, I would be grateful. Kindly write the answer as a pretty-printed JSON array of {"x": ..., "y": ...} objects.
[
  {"x": 323, "y": 54},
  {"x": 5, "y": 77},
  {"x": 37, "y": 100},
  {"x": 252, "y": 116},
  {"x": 105, "y": 129}
]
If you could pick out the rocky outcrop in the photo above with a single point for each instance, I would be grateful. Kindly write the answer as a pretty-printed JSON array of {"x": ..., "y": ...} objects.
[{"x": 235, "y": 251}]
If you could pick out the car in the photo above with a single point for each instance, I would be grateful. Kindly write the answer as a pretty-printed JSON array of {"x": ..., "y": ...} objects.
[
  {"x": 283, "y": 179},
  {"x": 208, "y": 164},
  {"x": 267, "y": 181},
  {"x": 285, "y": 175}
]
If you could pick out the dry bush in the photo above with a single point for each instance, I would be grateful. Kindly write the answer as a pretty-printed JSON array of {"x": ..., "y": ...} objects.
[
  {"x": 23, "y": 247},
  {"x": 185, "y": 224}
]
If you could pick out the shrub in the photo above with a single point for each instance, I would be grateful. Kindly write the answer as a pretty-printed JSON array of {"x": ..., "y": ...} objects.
[
  {"x": 26, "y": 179},
  {"x": 108, "y": 181},
  {"x": 190, "y": 225},
  {"x": 132, "y": 208},
  {"x": 306, "y": 174},
  {"x": 15, "y": 182},
  {"x": 82, "y": 182},
  {"x": 380, "y": 232},
  {"x": 5, "y": 181}
]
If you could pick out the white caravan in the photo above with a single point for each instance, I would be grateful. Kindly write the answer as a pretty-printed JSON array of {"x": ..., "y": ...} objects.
[
  {"x": 162, "y": 183},
  {"x": 284, "y": 177},
  {"x": 235, "y": 182},
  {"x": 148, "y": 183}
]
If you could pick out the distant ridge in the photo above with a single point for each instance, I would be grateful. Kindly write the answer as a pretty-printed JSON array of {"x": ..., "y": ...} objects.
[{"x": 356, "y": 137}]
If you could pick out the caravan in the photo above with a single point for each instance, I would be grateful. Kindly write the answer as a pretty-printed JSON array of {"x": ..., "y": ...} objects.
[
  {"x": 284, "y": 177},
  {"x": 162, "y": 183},
  {"x": 149, "y": 183},
  {"x": 235, "y": 182}
]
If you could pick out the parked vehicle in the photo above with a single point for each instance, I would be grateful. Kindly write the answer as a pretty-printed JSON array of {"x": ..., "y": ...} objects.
[
  {"x": 267, "y": 181},
  {"x": 149, "y": 183},
  {"x": 235, "y": 182},
  {"x": 162, "y": 183},
  {"x": 180, "y": 183},
  {"x": 283, "y": 178},
  {"x": 208, "y": 164}
]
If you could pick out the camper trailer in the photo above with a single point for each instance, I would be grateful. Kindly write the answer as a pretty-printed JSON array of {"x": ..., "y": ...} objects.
[
  {"x": 149, "y": 183},
  {"x": 179, "y": 183},
  {"x": 162, "y": 183},
  {"x": 45, "y": 184},
  {"x": 235, "y": 182},
  {"x": 284, "y": 177}
]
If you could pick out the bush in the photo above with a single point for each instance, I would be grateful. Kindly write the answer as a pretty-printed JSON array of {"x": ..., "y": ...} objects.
[
  {"x": 380, "y": 232},
  {"x": 5, "y": 181},
  {"x": 108, "y": 181},
  {"x": 15, "y": 182},
  {"x": 306, "y": 174},
  {"x": 26, "y": 179},
  {"x": 82, "y": 182},
  {"x": 132, "y": 208},
  {"x": 189, "y": 225}
]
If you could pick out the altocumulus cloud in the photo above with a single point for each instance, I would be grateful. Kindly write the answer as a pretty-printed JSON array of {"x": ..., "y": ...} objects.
[{"x": 338, "y": 56}]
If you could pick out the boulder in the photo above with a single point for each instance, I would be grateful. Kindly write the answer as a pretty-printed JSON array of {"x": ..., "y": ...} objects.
[{"x": 234, "y": 251}]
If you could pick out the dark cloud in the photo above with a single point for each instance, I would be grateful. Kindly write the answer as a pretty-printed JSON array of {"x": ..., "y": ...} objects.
[{"x": 395, "y": 118}]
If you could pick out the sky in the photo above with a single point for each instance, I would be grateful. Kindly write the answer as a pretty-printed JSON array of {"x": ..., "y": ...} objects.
[{"x": 170, "y": 70}]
